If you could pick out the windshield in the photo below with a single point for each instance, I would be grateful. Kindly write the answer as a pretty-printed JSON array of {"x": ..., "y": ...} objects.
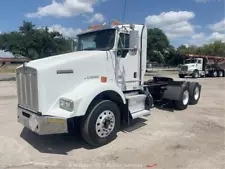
[
  {"x": 190, "y": 61},
  {"x": 98, "y": 40}
]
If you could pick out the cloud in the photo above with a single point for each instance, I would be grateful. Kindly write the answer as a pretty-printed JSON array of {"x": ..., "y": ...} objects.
[
  {"x": 98, "y": 17},
  {"x": 201, "y": 39},
  {"x": 66, "y": 32},
  {"x": 174, "y": 24},
  {"x": 216, "y": 36},
  {"x": 218, "y": 27},
  {"x": 6, "y": 54},
  {"x": 67, "y": 8},
  {"x": 198, "y": 36}
]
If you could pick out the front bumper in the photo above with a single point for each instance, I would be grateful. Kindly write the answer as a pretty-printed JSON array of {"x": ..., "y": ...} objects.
[
  {"x": 42, "y": 125},
  {"x": 185, "y": 72}
]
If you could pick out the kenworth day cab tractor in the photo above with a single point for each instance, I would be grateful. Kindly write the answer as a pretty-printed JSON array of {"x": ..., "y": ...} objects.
[
  {"x": 98, "y": 87},
  {"x": 199, "y": 66}
]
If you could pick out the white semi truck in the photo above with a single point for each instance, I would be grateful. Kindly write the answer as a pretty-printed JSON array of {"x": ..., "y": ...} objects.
[
  {"x": 97, "y": 88},
  {"x": 199, "y": 66}
]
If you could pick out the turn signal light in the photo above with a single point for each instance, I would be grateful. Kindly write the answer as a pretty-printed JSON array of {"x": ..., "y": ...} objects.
[
  {"x": 116, "y": 23},
  {"x": 95, "y": 26}
]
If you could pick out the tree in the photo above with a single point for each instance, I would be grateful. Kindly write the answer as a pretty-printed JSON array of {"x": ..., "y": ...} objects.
[
  {"x": 34, "y": 43},
  {"x": 158, "y": 47},
  {"x": 216, "y": 48}
]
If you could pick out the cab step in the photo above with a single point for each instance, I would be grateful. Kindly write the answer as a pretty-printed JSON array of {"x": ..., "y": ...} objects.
[
  {"x": 136, "y": 105},
  {"x": 136, "y": 102},
  {"x": 140, "y": 113}
]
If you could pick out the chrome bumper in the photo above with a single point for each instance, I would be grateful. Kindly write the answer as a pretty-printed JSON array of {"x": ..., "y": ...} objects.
[
  {"x": 185, "y": 72},
  {"x": 42, "y": 125}
]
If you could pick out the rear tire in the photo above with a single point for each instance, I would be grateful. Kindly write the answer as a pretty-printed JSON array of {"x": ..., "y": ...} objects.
[
  {"x": 195, "y": 93},
  {"x": 215, "y": 73},
  {"x": 220, "y": 73},
  {"x": 100, "y": 125},
  {"x": 181, "y": 76},
  {"x": 182, "y": 104}
]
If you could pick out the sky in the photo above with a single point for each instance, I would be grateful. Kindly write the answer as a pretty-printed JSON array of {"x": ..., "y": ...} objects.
[{"x": 184, "y": 21}]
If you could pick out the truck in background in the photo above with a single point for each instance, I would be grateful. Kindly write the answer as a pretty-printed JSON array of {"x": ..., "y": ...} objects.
[
  {"x": 97, "y": 88},
  {"x": 203, "y": 66}
]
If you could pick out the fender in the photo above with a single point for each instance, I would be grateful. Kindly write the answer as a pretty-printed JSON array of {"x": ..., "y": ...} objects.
[{"x": 83, "y": 95}]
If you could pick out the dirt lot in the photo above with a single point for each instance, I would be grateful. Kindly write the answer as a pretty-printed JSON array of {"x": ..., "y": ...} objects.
[{"x": 190, "y": 139}]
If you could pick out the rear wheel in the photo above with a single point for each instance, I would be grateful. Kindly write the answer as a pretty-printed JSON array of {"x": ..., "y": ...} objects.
[
  {"x": 215, "y": 73},
  {"x": 184, "y": 100},
  {"x": 101, "y": 123},
  {"x": 194, "y": 90},
  {"x": 220, "y": 73}
]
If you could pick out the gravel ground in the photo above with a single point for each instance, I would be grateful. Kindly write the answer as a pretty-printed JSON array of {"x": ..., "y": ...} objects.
[
  {"x": 7, "y": 76},
  {"x": 168, "y": 139}
]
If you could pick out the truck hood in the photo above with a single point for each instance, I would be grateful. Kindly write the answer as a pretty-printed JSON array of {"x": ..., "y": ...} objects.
[
  {"x": 51, "y": 85},
  {"x": 53, "y": 61},
  {"x": 190, "y": 65}
]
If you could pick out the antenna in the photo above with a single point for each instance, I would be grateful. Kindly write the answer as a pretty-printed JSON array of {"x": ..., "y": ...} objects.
[
  {"x": 124, "y": 14},
  {"x": 124, "y": 11}
]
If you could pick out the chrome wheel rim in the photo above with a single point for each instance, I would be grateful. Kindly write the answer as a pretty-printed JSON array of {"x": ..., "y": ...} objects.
[
  {"x": 220, "y": 74},
  {"x": 185, "y": 97},
  {"x": 105, "y": 123},
  {"x": 196, "y": 93},
  {"x": 215, "y": 74},
  {"x": 196, "y": 74}
]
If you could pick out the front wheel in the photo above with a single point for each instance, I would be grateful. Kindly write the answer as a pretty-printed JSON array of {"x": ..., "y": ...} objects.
[
  {"x": 101, "y": 123},
  {"x": 195, "y": 74}
]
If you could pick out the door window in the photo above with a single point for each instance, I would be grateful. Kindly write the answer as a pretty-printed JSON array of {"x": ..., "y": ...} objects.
[
  {"x": 123, "y": 45},
  {"x": 123, "y": 41}
]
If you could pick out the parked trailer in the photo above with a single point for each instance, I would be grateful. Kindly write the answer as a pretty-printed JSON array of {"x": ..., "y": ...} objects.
[
  {"x": 97, "y": 88},
  {"x": 203, "y": 66}
]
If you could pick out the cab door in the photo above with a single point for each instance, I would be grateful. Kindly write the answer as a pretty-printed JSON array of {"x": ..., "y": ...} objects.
[
  {"x": 200, "y": 64},
  {"x": 128, "y": 64}
]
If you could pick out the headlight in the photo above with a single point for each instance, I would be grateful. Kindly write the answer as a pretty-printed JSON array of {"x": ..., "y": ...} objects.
[{"x": 66, "y": 104}]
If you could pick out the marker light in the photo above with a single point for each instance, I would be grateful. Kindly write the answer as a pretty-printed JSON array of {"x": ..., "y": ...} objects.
[{"x": 103, "y": 79}]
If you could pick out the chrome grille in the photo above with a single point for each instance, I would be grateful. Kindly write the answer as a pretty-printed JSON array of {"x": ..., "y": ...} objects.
[
  {"x": 27, "y": 89},
  {"x": 184, "y": 68}
]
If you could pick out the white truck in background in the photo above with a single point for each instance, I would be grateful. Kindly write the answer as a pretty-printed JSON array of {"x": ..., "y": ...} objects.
[
  {"x": 199, "y": 66},
  {"x": 98, "y": 87}
]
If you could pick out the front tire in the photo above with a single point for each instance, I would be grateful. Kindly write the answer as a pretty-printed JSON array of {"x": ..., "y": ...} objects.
[
  {"x": 100, "y": 125},
  {"x": 182, "y": 104},
  {"x": 195, "y": 74}
]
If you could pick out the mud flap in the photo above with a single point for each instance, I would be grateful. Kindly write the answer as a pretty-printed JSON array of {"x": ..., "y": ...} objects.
[{"x": 174, "y": 90}]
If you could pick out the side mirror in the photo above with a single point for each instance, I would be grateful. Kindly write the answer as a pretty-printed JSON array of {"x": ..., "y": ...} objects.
[{"x": 134, "y": 40}]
